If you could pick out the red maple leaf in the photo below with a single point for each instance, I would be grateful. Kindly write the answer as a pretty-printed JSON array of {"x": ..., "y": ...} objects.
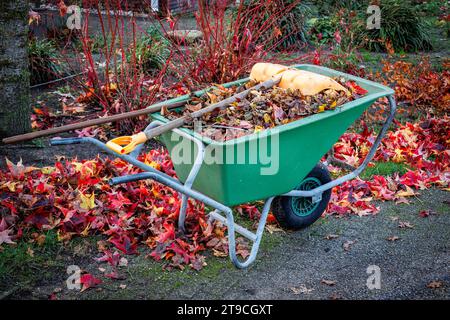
[
  {"x": 89, "y": 281},
  {"x": 169, "y": 234},
  {"x": 62, "y": 8}
]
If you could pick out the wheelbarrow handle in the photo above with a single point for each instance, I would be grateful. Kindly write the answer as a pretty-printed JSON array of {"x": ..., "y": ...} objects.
[
  {"x": 125, "y": 145},
  {"x": 65, "y": 141}
]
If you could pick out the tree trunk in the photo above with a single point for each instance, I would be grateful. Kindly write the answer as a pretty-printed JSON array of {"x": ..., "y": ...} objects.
[{"x": 14, "y": 75}]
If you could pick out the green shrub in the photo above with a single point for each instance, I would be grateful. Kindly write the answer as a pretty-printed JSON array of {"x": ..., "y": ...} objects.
[
  {"x": 329, "y": 7},
  {"x": 44, "y": 61},
  {"x": 323, "y": 29},
  {"x": 344, "y": 22},
  {"x": 152, "y": 50},
  {"x": 401, "y": 28},
  {"x": 293, "y": 25},
  {"x": 292, "y": 17},
  {"x": 431, "y": 8}
]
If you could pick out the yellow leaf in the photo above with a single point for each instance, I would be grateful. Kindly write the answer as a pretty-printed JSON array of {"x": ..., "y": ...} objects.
[
  {"x": 85, "y": 232},
  {"x": 113, "y": 86},
  {"x": 87, "y": 202},
  {"x": 333, "y": 105},
  {"x": 11, "y": 185},
  {"x": 48, "y": 170},
  {"x": 212, "y": 97},
  {"x": 406, "y": 193},
  {"x": 258, "y": 129},
  {"x": 321, "y": 108},
  {"x": 154, "y": 165},
  {"x": 156, "y": 194},
  {"x": 267, "y": 118}
]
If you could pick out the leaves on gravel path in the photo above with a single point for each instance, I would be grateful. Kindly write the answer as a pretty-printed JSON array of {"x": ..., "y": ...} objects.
[{"x": 328, "y": 282}]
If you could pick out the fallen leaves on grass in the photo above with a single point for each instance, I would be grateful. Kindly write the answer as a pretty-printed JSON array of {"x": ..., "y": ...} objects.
[
  {"x": 423, "y": 146},
  {"x": 418, "y": 86},
  {"x": 76, "y": 200},
  {"x": 425, "y": 213},
  {"x": 5, "y": 233},
  {"x": 89, "y": 281}
]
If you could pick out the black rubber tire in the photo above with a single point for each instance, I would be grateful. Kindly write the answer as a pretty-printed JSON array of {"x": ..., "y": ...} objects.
[{"x": 282, "y": 206}]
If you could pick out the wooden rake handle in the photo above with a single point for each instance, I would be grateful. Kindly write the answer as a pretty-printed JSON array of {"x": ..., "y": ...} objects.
[{"x": 90, "y": 123}]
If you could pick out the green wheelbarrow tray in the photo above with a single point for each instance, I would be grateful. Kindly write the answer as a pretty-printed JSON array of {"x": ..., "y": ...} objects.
[
  {"x": 297, "y": 146},
  {"x": 284, "y": 155}
]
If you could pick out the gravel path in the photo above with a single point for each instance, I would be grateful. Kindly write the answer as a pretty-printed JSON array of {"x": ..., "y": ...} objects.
[{"x": 297, "y": 267}]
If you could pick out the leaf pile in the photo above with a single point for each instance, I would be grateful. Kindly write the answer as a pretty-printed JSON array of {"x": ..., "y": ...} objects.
[
  {"x": 262, "y": 109},
  {"x": 75, "y": 199},
  {"x": 418, "y": 85},
  {"x": 423, "y": 146}
]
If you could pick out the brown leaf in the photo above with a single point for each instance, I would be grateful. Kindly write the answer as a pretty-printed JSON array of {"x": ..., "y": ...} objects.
[
  {"x": 193, "y": 108},
  {"x": 273, "y": 228},
  {"x": 40, "y": 240},
  {"x": 30, "y": 252},
  {"x": 328, "y": 282},
  {"x": 347, "y": 244},
  {"x": 331, "y": 236},
  {"x": 435, "y": 284},
  {"x": 102, "y": 245},
  {"x": 302, "y": 289},
  {"x": 335, "y": 296},
  {"x": 218, "y": 253},
  {"x": 405, "y": 225},
  {"x": 402, "y": 200},
  {"x": 393, "y": 238},
  {"x": 409, "y": 192}
]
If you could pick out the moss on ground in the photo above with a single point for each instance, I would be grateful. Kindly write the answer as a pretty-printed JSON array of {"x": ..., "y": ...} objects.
[
  {"x": 25, "y": 264},
  {"x": 384, "y": 169}
]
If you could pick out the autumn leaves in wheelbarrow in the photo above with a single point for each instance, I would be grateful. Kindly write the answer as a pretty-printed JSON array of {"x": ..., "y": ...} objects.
[{"x": 189, "y": 135}]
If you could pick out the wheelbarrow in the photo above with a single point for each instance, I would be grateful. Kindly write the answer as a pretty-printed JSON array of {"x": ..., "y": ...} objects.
[{"x": 297, "y": 187}]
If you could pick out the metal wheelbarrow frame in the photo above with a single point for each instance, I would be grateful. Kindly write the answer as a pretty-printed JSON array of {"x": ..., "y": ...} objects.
[{"x": 227, "y": 218}]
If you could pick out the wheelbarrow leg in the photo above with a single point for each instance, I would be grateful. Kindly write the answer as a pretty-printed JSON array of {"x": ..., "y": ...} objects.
[
  {"x": 233, "y": 228},
  {"x": 192, "y": 175}
]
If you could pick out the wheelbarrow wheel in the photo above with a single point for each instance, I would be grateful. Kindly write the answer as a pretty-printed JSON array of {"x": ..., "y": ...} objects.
[{"x": 300, "y": 212}]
